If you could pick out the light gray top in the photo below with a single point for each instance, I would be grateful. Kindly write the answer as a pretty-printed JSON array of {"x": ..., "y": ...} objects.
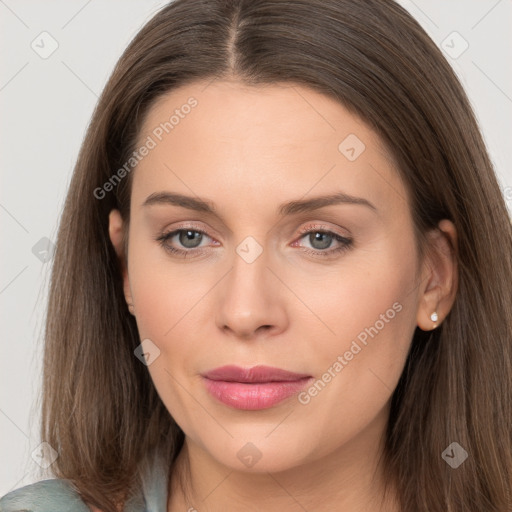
[{"x": 58, "y": 495}]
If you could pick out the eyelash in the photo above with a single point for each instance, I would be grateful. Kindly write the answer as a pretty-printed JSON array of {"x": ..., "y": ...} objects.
[{"x": 346, "y": 243}]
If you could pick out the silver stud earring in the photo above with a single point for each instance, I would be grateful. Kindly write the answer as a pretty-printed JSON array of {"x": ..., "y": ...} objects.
[{"x": 434, "y": 318}]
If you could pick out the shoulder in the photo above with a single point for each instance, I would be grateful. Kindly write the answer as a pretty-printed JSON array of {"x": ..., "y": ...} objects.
[{"x": 54, "y": 495}]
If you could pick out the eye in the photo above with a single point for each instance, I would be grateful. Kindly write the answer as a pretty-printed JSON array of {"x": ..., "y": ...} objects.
[
  {"x": 322, "y": 240},
  {"x": 184, "y": 241}
]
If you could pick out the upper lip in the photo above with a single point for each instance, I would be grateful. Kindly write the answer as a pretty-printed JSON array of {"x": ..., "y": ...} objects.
[{"x": 260, "y": 373}]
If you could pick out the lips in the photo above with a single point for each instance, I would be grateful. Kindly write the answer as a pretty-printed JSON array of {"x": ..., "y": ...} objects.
[{"x": 259, "y": 387}]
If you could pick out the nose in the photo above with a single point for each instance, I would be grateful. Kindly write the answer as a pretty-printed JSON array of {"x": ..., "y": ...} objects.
[{"x": 251, "y": 301}]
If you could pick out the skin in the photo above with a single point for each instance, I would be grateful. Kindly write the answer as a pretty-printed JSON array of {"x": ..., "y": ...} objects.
[{"x": 248, "y": 150}]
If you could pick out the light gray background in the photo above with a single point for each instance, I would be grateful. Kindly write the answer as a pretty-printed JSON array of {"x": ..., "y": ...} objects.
[{"x": 45, "y": 106}]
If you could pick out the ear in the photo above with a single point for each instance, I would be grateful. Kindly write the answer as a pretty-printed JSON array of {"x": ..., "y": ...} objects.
[
  {"x": 116, "y": 234},
  {"x": 439, "y": 276}
]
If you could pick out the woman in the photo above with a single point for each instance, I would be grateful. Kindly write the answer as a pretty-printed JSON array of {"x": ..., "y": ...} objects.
[{"x": 282, "y": 276}]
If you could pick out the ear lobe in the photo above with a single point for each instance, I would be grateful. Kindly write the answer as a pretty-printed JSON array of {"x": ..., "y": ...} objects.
[
  {"x": 441, "y": 269},
  {"x": 116, "y": 234}
]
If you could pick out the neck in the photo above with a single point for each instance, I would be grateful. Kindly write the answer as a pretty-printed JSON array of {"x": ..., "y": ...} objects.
[{"x": 349, "y": 478}]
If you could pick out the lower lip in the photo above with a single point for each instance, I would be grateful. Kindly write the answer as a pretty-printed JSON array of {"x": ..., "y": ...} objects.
[{"x": 253, "y": 397}]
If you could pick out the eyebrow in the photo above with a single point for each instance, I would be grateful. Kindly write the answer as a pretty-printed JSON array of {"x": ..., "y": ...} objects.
[{"x": 289, "y": 208}]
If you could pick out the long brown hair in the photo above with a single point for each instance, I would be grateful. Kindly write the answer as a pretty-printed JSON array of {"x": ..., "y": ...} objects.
[{"x": 100, "y": 409}]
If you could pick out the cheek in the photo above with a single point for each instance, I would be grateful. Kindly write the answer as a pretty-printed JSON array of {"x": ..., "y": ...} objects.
[
  {"x": 170, "y": 300},
  {"x": 368, "y": 305},
  {"x": 166, "y": 303},
  {"x": 160, "y": 290},
  {"x": 371, "y": 309},
  {"x": 368, "y": 296},
  {"x": 167, "y": 309},
  {"x": 357, "y": 369}
]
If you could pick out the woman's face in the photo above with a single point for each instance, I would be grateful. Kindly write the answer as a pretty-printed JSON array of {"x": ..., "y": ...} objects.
[{"x": 266, "y": 273}]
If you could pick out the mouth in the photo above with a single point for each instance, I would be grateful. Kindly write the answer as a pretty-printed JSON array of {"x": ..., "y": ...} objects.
[{"x": 259, "y": 387}]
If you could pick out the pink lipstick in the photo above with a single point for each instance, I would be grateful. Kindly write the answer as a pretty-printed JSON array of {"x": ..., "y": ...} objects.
[{"x": 259, "y": 387}]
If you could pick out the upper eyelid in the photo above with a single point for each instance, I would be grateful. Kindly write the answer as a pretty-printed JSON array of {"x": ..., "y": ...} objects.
[
  {"x": 196, "y": 227},
  {"x": 325, "y": 228}
]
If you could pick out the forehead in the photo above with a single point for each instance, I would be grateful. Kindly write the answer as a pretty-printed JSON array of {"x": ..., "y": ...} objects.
[{"x": 224, "y": 139}]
